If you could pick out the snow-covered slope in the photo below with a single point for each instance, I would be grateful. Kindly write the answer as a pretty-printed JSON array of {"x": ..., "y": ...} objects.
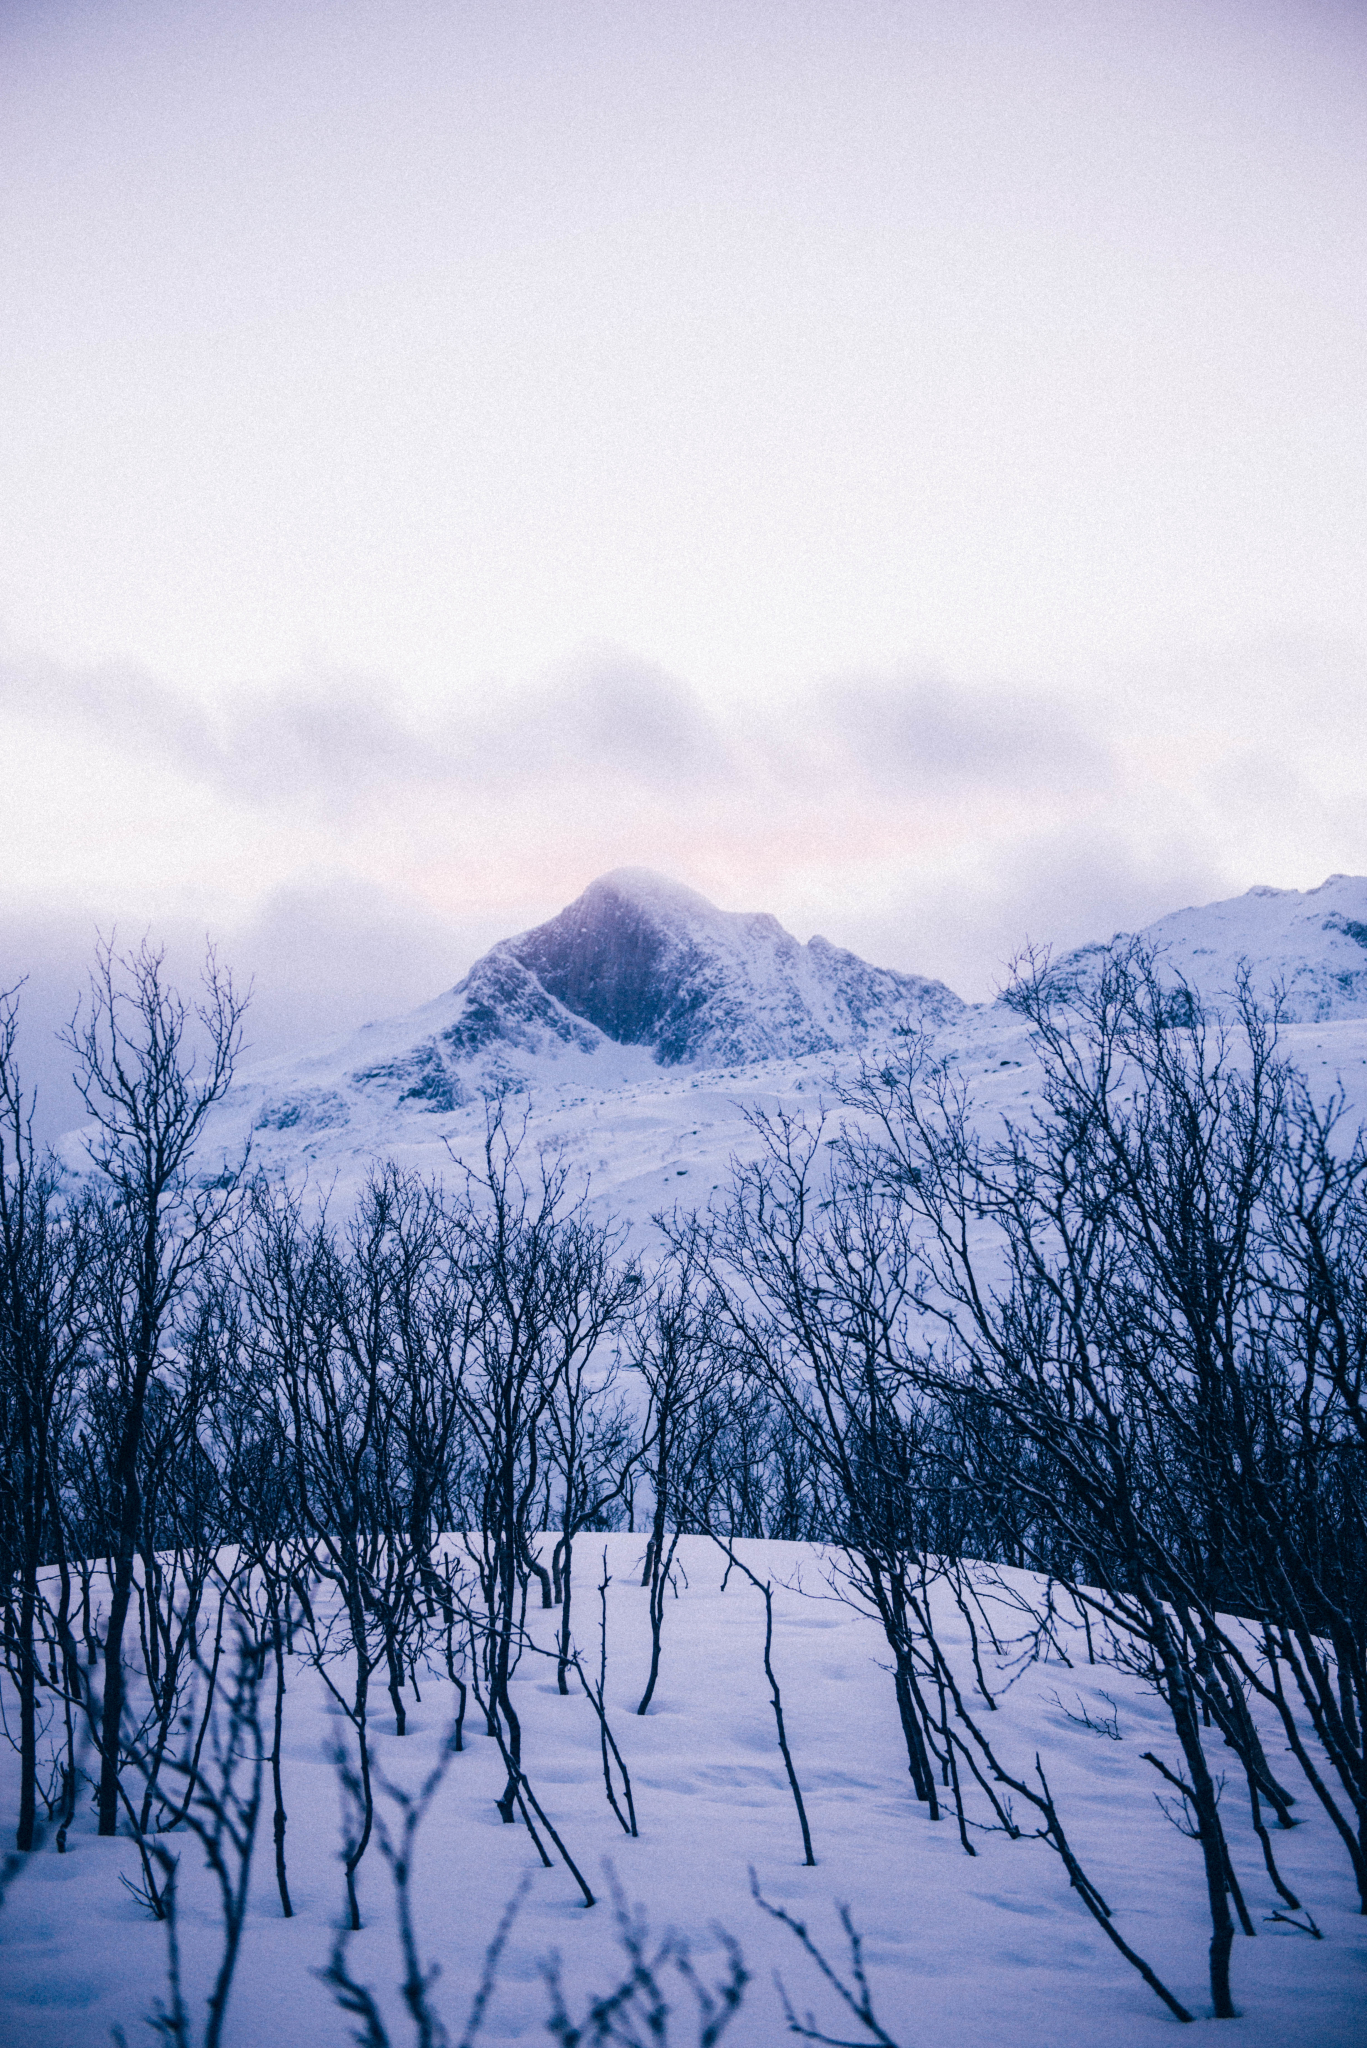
[
  {"x": 1309, "y": 946},
  {"x": 993, "y": 1950}
]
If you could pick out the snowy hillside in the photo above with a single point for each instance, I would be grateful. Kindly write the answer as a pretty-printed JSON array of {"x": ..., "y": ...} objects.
[
  {"x": 1309, "y": 946},
  {"x": 989, "y": 1951}
]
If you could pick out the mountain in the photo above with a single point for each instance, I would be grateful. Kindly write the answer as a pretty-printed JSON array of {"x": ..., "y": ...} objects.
[
  {"x": 641, "y": 962},
  {"x": 640, "y": 1028},
  {"x": 638, "y": 979},
  {"x": 1308, "y": 947},
  {"x": 647, "y": 962}
]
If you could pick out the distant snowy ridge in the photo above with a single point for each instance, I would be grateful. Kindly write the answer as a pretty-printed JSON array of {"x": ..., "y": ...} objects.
[{"x": 1309, "y": 946}]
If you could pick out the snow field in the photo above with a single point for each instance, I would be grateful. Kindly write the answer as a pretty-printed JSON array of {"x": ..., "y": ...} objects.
[{"x": 976, "y": 1952}]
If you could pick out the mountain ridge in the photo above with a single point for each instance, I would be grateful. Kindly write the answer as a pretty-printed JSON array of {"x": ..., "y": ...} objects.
[
  {"x": 717, "y": 1014},
  {"x": 1306, "y": 948}
]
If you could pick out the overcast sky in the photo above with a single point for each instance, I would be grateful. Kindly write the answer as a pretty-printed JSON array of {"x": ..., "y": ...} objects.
[{"x": 900, "y": 466}]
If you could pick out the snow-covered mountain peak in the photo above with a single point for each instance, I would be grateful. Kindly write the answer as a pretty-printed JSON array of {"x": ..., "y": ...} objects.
[
  {"x": 639, "y": 984},
  {"x": 651, "y": 892},
  {"x": 649, "y": 962}
]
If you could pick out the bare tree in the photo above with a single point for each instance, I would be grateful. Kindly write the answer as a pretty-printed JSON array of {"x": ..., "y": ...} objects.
[
  {"x": 817, "y": 1280},
  {"x": 320, "y": 1374},
  {"x": 675, "y": 1344},
  {"x": 512, "y": 1234},
  {"x": 44, "y": 1258},
  {"x": 1097, "y": 1279},
  {"x": 589, "y": 1440},
  {"x": 149, "y": 1089},
  {"x": 221, "y": 1807},
  {"x": 764, "y": 1587}
]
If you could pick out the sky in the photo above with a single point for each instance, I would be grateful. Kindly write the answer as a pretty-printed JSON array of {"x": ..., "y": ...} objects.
[{"x": 899, "y": 466}]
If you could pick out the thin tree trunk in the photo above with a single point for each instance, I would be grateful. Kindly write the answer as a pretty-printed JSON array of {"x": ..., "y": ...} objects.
[
  {"x": 111, "y": 1715},
  {"x": 659, "y": 1587},
  {"x": 565, "y": 1552},
  {"x": 808, "y": 1856},
  {"x": 130, "y": 1514},
  {"x": 1211, "y": 1835},
  {"x": 354, "y": 1854},
  {"x": 28, "y": 1716},
  {"x": 395, "y": 1686},
  {"x": 277, "y": 1786}
]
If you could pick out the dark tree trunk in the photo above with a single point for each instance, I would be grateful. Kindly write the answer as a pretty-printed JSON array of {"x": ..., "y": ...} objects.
[{"x": 277, "y": 1786}]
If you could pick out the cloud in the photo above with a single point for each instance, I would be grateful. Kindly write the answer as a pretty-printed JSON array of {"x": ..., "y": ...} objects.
[
  {"x": 334, "y": 740},
  {"x": 328, "y": 738},
  {"x": 606, "y": 715},
  {"x": 128, "y": 711},
  {"x": 336, "y": 743},
  {"x": 935, "y": 734}
]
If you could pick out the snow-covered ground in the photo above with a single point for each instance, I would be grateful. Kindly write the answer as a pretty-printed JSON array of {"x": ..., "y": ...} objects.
[{"x": 980, "y": 1952}]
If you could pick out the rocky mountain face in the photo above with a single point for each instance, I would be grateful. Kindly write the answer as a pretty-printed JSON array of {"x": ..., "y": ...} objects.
[
  {"x": 641, "y": 961},
  {"x": 648, "y": 962}
]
